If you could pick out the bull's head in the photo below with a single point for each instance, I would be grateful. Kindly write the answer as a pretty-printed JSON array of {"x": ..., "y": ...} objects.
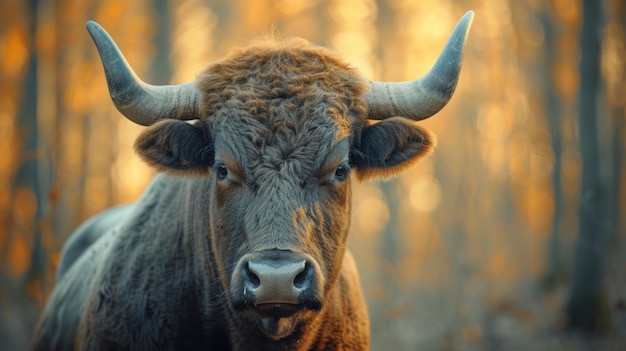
[{"x": 280, "y": 128}]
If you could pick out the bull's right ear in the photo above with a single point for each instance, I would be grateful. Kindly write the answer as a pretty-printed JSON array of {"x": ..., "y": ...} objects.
[{"x": 177, "y": 147}]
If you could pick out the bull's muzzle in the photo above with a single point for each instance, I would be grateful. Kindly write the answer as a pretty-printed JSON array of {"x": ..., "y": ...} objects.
[{"x": 276, "y": 282}]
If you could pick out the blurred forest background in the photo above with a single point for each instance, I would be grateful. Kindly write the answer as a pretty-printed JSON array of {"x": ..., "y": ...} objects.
[{"x": 509, "y": 237}]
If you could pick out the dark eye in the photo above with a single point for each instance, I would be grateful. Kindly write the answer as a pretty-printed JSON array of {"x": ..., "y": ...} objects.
[
  {"x": 222, "y": 171},
  {"x": 342, "y": 172}
]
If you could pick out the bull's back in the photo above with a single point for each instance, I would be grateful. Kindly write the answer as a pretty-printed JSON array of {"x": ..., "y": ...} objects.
[
  {"x": 87, "y": 234},
  {"x": 81, "y": 256}
]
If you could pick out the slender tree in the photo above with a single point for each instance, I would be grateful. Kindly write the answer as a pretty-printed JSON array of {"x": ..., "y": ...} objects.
[
  {"x": 552, "y": 105},
  {"x": 618, "y": 120},
  {"x": 27, "y": 176},
  {"x": 586, "y": 308},
  {"x": 161, "y": 68}
]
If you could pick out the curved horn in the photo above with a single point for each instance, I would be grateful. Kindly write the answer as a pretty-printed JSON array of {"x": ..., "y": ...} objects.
[
  {"x": 140, "y": 102},
  {"x": 425, "y": 96}
]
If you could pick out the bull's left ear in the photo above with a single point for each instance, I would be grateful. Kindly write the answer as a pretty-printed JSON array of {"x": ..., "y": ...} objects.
[
  {"x": 177, "y": 147},
  {"x": 389, "y": 147}
]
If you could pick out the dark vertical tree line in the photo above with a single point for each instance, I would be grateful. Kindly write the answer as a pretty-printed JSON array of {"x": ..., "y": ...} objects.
[
  {"x": 586, "y": 306},
  {"x": 618, "y": 119},
  {"x": 553, "y": 110},
  {"x": 161, "y": 66},
  {"x": 28, "y": 173}
]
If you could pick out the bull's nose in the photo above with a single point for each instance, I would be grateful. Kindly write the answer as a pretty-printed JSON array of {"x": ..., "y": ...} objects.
[{"x": 274, "y": 281}]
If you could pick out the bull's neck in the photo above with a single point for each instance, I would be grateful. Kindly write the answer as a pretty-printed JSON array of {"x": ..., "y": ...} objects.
[{"x": 190, "y": 206}]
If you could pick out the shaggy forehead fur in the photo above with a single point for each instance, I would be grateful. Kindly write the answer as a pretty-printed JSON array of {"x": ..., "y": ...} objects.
[{"x": 282, "y": 100}]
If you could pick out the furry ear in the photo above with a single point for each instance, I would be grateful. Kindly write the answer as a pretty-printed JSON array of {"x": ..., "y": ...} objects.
[
  {"x": 389, "y": 147},
  {"x": 176, "y": 147}
]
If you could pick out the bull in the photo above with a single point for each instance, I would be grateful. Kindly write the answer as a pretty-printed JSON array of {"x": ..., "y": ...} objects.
[{"x": 240, "y": 241}]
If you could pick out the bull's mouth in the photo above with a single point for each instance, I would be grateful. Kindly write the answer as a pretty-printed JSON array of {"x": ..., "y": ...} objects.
[
  {"x": 277, "y": 320},
  {"x": 276, "y": 310}
]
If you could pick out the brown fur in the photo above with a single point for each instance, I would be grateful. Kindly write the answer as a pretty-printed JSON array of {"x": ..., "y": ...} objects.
[{"x": 282, "y": 121}]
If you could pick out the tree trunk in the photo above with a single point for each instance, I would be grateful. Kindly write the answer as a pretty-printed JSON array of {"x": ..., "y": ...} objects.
[
  {"x": 161, "y": 68},
  {"x": 552, "y": 107},
  {"x": 586, "y": 310},
  {"x": 27, "y": 176},
  {"x": 618, "y": 129}
]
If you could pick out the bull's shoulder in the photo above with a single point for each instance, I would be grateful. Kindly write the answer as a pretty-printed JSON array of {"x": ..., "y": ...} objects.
[
  {"x": 126, "y": 276},
  {"x": 57, "y": 326},
  {"x": 88, "y": 233},
  {"x": 146, "y": 288},
  {"x": 112, "y": 219}
]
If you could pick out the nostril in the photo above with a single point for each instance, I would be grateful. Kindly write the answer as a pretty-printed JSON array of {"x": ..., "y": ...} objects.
[
  {"x": 303, "y": 279},
  {"x": 277, "y": 277},
  {"x": 250, "y": 279}
]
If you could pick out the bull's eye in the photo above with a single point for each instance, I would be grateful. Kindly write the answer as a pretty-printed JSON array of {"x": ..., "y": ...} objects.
[
  {"x": 342, "y": 172},
  {"x": 222, "y": 171}
]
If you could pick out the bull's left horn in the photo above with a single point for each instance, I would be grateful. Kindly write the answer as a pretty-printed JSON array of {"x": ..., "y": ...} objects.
[
  {"x": 425, "y": 96},
  {"x": 140, "y": 102}
]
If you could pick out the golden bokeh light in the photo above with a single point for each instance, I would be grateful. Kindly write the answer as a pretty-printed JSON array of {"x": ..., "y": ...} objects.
[
  {"x": 424, "y": 194},
  {"x": 15, "y": 50},
  {"x": 371, "y": 213}
]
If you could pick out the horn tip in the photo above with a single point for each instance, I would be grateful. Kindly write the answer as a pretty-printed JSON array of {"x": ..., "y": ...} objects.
[
  {"x": 95, "y": 30},
  {"x": 92, "y": 26},
  {"x": 466, "y": 22}
]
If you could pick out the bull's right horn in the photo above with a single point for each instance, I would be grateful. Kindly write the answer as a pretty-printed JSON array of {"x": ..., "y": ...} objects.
[
  {"x": 423, "y": 97},
  {"x": 140, "y": 102}
]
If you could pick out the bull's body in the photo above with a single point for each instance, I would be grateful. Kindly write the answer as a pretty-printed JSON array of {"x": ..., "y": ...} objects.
[
  {"x": 144, "y": 272},
  {"x": 242, "y": 243}
]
